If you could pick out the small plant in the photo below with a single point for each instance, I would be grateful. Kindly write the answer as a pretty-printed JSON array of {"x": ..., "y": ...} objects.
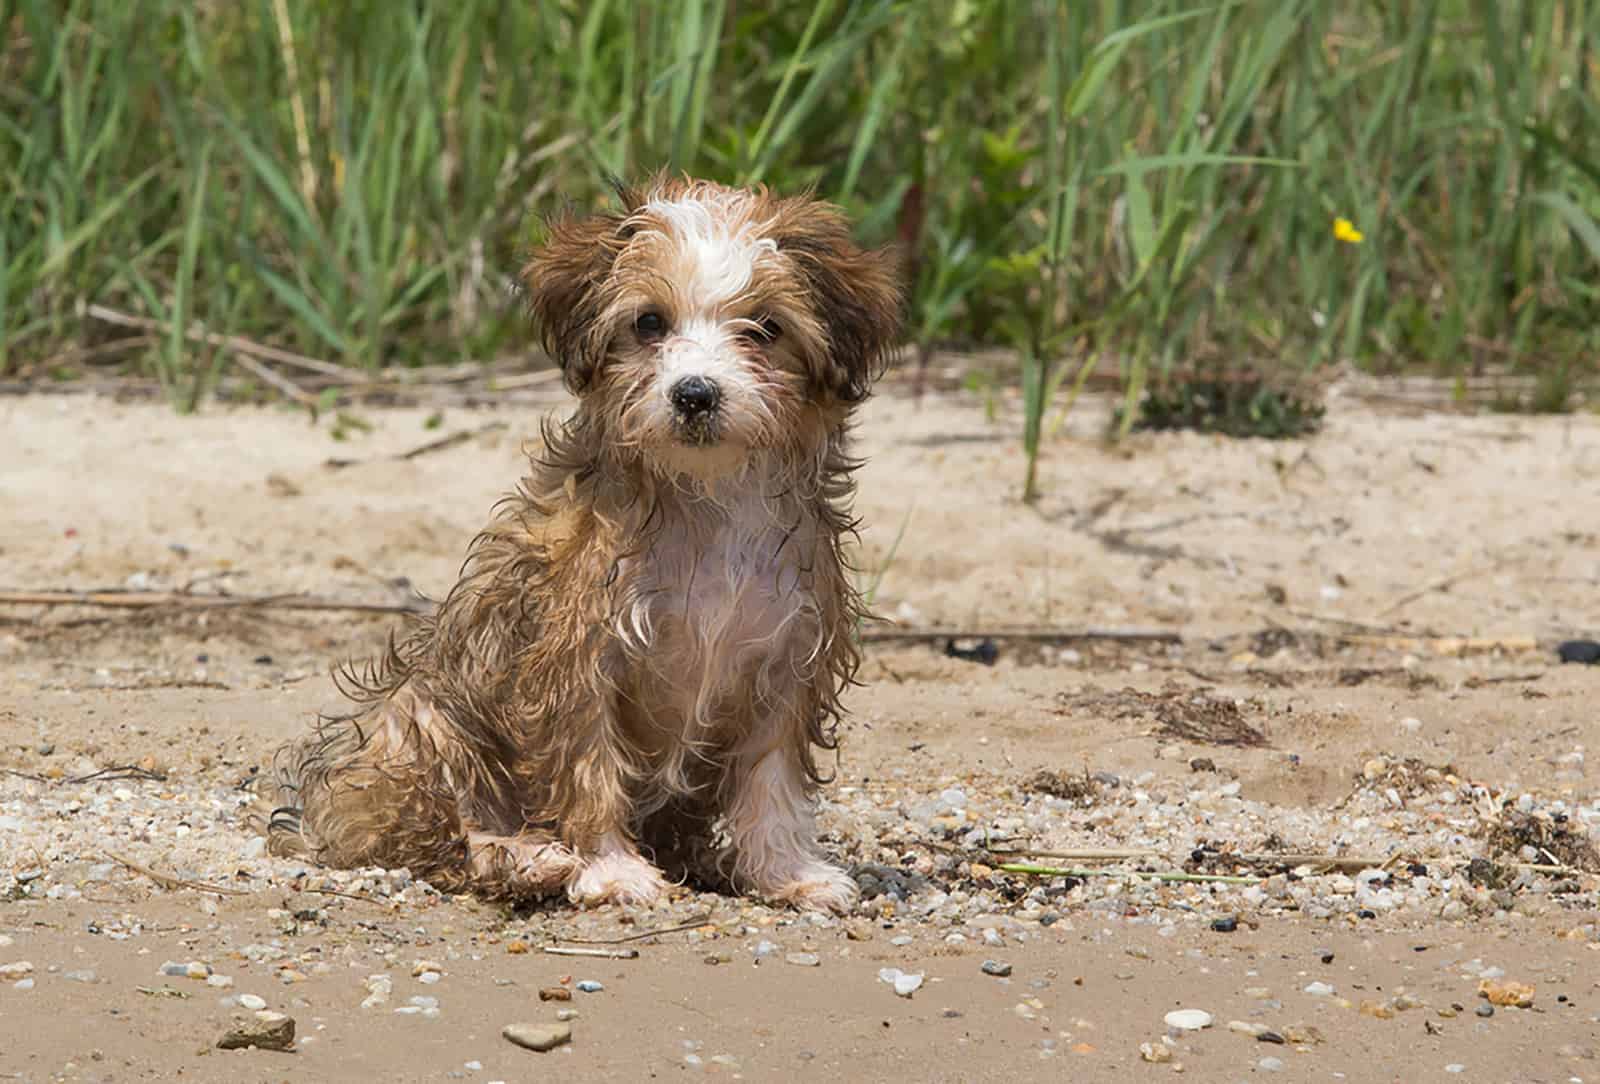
[{"x": 1245, "y": 406}]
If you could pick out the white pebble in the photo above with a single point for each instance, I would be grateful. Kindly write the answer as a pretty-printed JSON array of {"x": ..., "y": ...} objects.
[
  {"x": 252, "y": 1001},
  {"x": 1188, "y": 1019},
  {"x": 1455, "y": 1067},
  {"x": 1319, "y": 989}
]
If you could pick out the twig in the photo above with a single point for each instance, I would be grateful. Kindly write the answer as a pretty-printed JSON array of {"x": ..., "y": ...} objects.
[
  {"x": 451, "y": 441},
  {"x": 24, "y": 775},
  {"x": 288, "y": 387},
  {"x": 1328, "y": 861},
  {"x": 524, "y": 380},
  {"x": 140, "y": 600},
  {"x": 233, "y": 342},
  {"x": 583, "y": 950},
  {"x": 167, "y": 882},
  {"x": 120, "y": 771},
  {"x": 1155, "y": 636},
  {"x": 1053, "y": 871},
  {"x": 693, "y": 924},
  {"x": 1438, "y": 585},
  {"x": 349, "y": 896}
]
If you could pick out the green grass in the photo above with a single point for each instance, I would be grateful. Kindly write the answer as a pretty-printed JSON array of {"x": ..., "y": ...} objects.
[{"x": 1152, "y": 182}]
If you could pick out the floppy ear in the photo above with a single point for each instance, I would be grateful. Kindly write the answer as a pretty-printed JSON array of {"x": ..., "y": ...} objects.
[
  {"x": 563, "y": 279},
  {"x": 855, "y": 293}
]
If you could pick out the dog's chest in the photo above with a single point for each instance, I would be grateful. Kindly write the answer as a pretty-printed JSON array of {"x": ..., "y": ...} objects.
[{"x": 723, "y": 614}]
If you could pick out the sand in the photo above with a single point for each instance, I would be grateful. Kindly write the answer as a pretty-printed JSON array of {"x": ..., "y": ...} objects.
[{"x": 1375, "y": 607}]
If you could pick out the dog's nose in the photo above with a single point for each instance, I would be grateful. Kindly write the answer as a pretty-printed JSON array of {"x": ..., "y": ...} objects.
[{"x": 694, "y": 395}]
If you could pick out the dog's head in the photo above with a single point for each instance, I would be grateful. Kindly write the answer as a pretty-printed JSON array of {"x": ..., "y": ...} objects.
[{"x": 707, "y": 323}]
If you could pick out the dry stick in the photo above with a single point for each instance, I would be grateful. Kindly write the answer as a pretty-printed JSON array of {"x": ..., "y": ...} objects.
[
  {"x": 451, "y": 441},
  {"x": 693, "y": 924},
  {"x": 602, "y": 953},
  {"x": 1053, "y": 871},
  {"x": 1438, "y": 585},
  {"x": 140, "y": 600},
  {"x": 1328, "y": 861},
  {"x": 288, "y": 387},
  {"x": 1156, "y": 636},
  {"x": 167, "y": 882},
  {"x": 233, "y": 342}
]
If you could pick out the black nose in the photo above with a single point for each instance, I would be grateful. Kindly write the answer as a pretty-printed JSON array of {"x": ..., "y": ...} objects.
[{"x": 694, "y": 395}]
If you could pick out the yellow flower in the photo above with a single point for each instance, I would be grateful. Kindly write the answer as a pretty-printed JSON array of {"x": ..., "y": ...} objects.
[{"x": 1346, "y": 231}]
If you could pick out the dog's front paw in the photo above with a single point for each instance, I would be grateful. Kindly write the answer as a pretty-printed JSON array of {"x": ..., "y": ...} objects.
[
  {"x": 617, "y": 878},
  {"x": 818, "y": 886}
]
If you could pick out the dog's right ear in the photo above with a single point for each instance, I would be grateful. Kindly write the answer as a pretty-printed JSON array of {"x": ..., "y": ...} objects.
[{"x": 563, "y": 279}]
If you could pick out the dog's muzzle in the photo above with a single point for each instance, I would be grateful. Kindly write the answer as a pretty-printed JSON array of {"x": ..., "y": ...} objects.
[{"x": 694, "y": 400}]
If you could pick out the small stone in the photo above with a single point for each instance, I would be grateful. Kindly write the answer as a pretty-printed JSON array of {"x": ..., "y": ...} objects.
[
  {"x": 539, "y": 1037},
  {"x": 1485, "y": 1009},
  {"x": 1303, "y": 1035},
  {"x": 1446, "y": 1011},
  {"x": 1156, "y": 1053},
  {"x": 566, "y": 1014},
  {"x": 1517, "y": 994},
  {"x": 1270, "y": 1037},
  {"x": 1271, "y": 1065},
  {"x": 23, "y": 984},
  {"x": 1188, "y": 1019},
  {"x": 589, "y": 986},
  {"x": 1225, "y": 924},
  {"x": 554, "y": 993},
  {"x": 1455, "y": 1067},
  {"x": 1378, "y": 1010},
  {"x": 252, "y": 1002},
  {"x": 1244, "y": 1027},
  {"x": 12, "y": 972},
  {"x": 219, "y": 982},
  {"x": 804, "y": 959},
  {"x": 996, "y": 968},
  {"x": 764, "y": 949},
  {"x": 858, "y": 931},
  {"x": 1319, "y": 989},
  {"x": 266, "y": 1031},
  {"x": 423, "y": 967},
  {"x": 428, "y": 978},
  {"x": 80, "y": 976},
  {"x": 904, "y": 984},
  {"x": 517, "y": 948},
  {"x": 197, "y": 970}
]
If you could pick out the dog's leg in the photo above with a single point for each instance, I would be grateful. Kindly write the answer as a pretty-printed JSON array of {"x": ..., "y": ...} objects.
[{"x": 773, "y": 824}]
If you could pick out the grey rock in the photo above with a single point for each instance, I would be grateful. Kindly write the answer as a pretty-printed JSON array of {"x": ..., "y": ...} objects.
[
  {"x": 996, "y": 968},
  {"x": 539, "y": 1037}
]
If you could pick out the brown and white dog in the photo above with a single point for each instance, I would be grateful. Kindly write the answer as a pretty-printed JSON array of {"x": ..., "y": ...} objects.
[{"x": 648, "y": 642}]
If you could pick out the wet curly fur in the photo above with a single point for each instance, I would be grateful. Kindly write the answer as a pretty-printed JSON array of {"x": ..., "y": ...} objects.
[{"x": 648, "y": 642}]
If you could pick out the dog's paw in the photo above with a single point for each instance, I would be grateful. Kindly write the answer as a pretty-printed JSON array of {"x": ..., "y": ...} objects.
[
  {"x": 617, "y": 878},
  {"x": 520, "y": 867},
  {"x": 818, "y": 887}
]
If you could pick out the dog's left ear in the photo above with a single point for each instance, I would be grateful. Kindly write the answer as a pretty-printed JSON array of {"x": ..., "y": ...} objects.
[
  {"x": 563, "y": 279},
  {"x": 855, "y": 293}
]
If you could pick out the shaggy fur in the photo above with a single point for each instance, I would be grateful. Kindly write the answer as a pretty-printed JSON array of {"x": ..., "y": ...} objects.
[{"x": 648, "y": 642}]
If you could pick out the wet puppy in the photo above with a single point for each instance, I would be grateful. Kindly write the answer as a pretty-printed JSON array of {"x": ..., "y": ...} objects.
[{"x": 648, "y": 641}]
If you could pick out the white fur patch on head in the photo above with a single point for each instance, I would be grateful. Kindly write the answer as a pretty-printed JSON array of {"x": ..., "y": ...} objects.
[{"x": 721, "y": 246}]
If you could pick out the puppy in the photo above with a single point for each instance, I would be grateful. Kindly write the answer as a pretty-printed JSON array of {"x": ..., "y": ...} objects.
[{"x": 648, "y": 642}]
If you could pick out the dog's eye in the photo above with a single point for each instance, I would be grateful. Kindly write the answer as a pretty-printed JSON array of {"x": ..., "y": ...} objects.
[
  {"x": 650, "y": 325},
  {"x": 765, "y": 332}
]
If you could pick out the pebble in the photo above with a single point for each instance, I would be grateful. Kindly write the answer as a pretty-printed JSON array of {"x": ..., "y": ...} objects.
[
  {"x": 804, "y": 959},
  {"x": 428, "y": 978},
  {"x": 1455, "y": 1067},
  {"x": 764, "y": 949},
  {"x": 996, "y": 968},
  {"x": 1485, "y": 1009},
  {"x": 253, "y": 1002},
  {"x": 1319, "y": 989},
  {"x": 1271, "y": 1065},
  {"x": 566, "y": 1014},
  {"x": 79, "y": 976},
  {"x": 554, "y": 993},
  {"x": 1188, "y": 1019},
  {"x": 904, "y": 984},
  {"x": 23, "y": 984},
  {"x": 1156, "y": 1053},
  {"x": 13, "y": 972},
  {"x": 589, "y": 986},
  {"x": 220, "y": 982},
  {"x": 538, "y": 1037},
  {"x": 1225, "y": 924},
  {"x": 1517, "y": 994},
  {"x": 266, "y": 1031},
  {"x": 1244, "y": 1027}
]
